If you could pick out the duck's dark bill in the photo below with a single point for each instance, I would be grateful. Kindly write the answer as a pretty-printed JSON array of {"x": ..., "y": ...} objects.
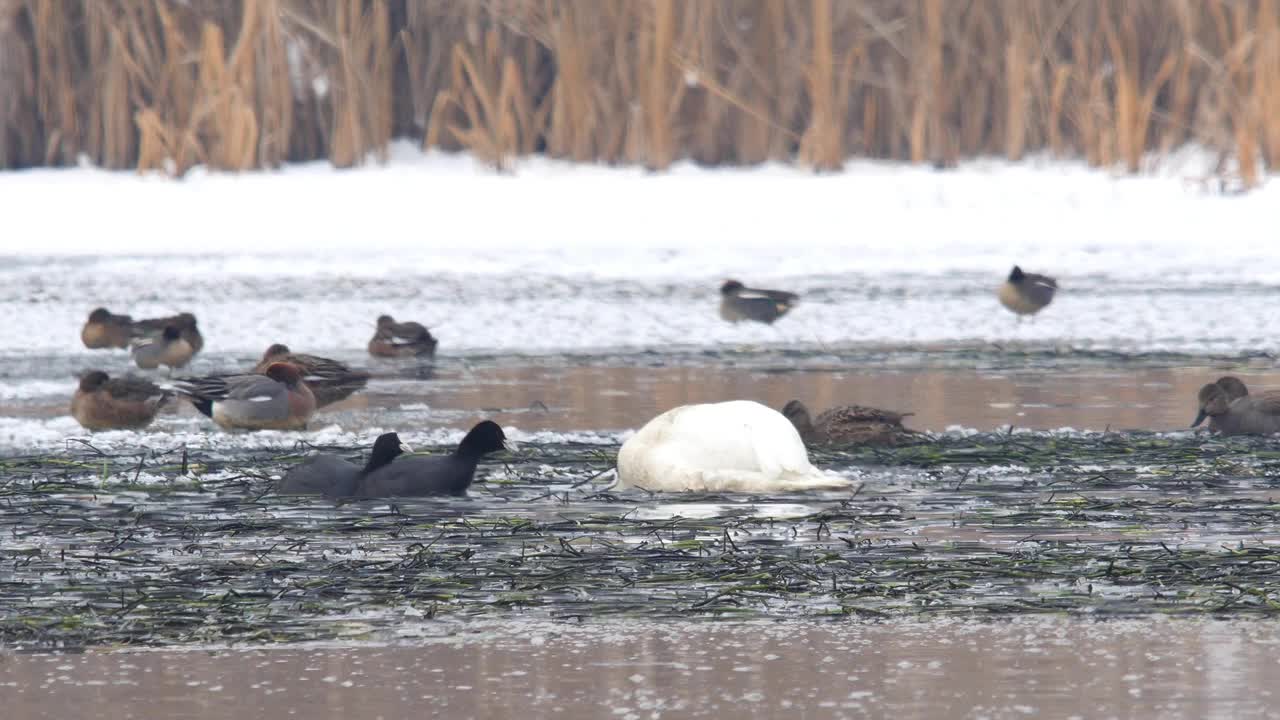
[{"x": 1200, "y": 416}]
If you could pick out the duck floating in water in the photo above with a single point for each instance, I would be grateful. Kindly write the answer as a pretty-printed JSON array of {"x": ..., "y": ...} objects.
[
  {"x": 331, "y": 476},
  {"x": 1231, "y": 410},
  {"x": 401, "y": 339},
  {"x": 1026, "y": 293},
  {"x": 849, "y": 425},
  {"x": 739, "y": 303},
  {"x": 448, "y": 474},
  {"x": 185, "y": 322},
  {"x": 736, "y": 446},
  {"x": 330, "y": 381},
  {"x": 106, "y": 403},
  {"x": 275, "y": 400}
]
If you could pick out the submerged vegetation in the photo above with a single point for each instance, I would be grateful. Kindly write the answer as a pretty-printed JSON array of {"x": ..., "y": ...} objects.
[
  {"x": 170, "y": 547},
  {"x": 237, "y": 84}
]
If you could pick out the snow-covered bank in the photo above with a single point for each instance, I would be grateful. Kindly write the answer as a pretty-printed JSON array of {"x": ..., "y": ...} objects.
[
  {"x": 562, "y": 257},
  {"x": 435, "y": 212}
]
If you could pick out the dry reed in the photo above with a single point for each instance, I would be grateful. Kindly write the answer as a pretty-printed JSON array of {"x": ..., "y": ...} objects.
[{"x": 237, "y": 84}]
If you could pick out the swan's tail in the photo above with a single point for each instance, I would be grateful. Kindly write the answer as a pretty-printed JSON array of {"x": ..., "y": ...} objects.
[{"x": 756, "y": 482}]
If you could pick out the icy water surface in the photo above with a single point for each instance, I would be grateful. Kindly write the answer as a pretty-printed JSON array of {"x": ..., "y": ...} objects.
[{"x": 1023, "y": 556}]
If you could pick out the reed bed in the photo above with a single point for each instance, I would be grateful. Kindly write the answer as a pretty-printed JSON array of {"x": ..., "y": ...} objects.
[
  {"x": 237, "y": 84},
  {"x": 165, "y": 547}
]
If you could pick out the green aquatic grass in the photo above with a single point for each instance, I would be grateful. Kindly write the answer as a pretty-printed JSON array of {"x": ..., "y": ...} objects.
[{"x": 200, "y": 550}]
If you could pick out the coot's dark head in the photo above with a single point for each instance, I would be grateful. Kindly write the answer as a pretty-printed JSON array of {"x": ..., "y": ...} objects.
[
  {"x": 171, "y": 333},
  {"x": 731, "y": 286},
  {"x": 386, "y": 448},
  {"x": 93, "y": 380},
  {"x": 1016, "y": 275},
  {"x": 275, "y": 351},
  {"x": 284, "y": 372},
  {"x": 484, "y": 438},
  {"x": 100, "y": 315}
]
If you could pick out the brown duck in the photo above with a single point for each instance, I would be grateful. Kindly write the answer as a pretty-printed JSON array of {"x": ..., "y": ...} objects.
[
  {"x": 1026, "y": 293},
  {"x": 329, "y": 380},
  {"x": 849, "y": 425},
  {"x": 105, "y": 403},
  {"x": 1231, "y": 410},
  {"x": 401, "y": 339},
  {"x": 104, "y": 330}
]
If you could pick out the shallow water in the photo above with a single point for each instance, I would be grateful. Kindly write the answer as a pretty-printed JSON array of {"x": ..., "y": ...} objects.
[{"x": 957, "y": 668}]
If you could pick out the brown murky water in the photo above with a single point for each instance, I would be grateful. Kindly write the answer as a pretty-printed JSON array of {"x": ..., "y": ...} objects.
[
  {"x": 588, "y": 398},
  {"x": 1042, "y": 667}
]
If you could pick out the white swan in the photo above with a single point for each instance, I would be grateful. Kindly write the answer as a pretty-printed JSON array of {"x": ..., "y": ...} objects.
[{"x": 736, "y": 446}]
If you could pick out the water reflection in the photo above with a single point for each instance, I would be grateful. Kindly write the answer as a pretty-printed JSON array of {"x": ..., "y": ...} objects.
[{"x": 1051, "y": 667}]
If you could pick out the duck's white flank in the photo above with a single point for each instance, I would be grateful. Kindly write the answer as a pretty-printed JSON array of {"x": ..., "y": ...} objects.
[{"x": 736, "y": 446}]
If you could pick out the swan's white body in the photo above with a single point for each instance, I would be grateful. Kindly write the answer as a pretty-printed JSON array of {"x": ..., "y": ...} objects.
[{"x": 737, "y": 446}]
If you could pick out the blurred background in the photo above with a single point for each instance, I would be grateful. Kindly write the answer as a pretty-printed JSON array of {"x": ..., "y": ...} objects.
[{"x": 240, "y": 84}]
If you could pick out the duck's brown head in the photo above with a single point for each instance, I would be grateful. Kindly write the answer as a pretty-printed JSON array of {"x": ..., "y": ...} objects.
[
  {"x": 798, "y": 414},
  {"x": 731, "y": 286},
  {"x": 100, "y": 315},
  {"x": 284, "y": 372},
  {"x": 93, "y": 380},
  {"x": 185, "y": 320},
  {"x": 386, "y": 321},
  {"x": 1213, "y": 402},
  {"x": 275, "y": 351}
]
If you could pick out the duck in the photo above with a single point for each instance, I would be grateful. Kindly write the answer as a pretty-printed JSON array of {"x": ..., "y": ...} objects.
[
  {"x": 448, "y": 474},
  {"x": 1026, "y": 293},
  {"x": 104, "y": 330},
  {"x": 734, "y": 446},
  {"x": 401, "y": 339},
  {"x": 102, "y": 402},
  {"x": 739, "y": 303},
  {"x": 278, "y": 399},
  {"x": 848, "y": 425},
  {"x": 330, "y": 381},
  {"x": 331, "y": 476},
  {"x": 169, "y": 348},
  {"x": 1231, "y": 413},
  {"x": 185, "y": 322}
]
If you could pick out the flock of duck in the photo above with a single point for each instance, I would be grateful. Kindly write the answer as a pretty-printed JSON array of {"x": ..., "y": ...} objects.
[{"x": 729, "y": 446}]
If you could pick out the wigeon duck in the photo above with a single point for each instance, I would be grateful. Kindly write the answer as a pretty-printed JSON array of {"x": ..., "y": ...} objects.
[
  {"x": 331, "y": 476},
  {"x": 848, "y": 425},
  {"x": 329, "y": 380},
  {"x": 104, "y": 330},
  {"x": 1231, "y": 413},
  {"x": 105, "y": 403},
  {"x": 1026, "y": 293},
  {"x": 436, "y": 474},
  {"x": 738, "y": 303},
  {"x": 169, "y": 348},
  {"x": 401, "y": 339},
  {"x": 278, "y": 399},
  {"x": 185, "y": 322}
]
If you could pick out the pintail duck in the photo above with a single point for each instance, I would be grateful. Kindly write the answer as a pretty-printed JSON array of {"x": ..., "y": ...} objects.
[
  {"x": 105, "y": 403},
  {"x": 1231, "y": 410},
  {"x": 401, "y": 339},
  {"x": 278, "y": 399},
  {"x": 1026, "y": 293},
  {"x": 849, "y": 425},
  {"x": 448, "y": 474},
  {"x": 104, "y": 330},
  {"x": 331, "y": 476},
  {"x": 169, "y": 348},
  {"x": 185, "y": 322},
  {"x": 329, "y": 380},
  {"x": 738, "y": 303}
]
